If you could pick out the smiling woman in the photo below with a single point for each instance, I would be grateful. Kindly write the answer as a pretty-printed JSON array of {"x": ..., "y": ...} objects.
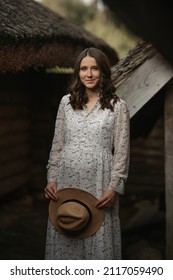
[
  {"x": 91, "y": 122},
  {"x": 90, "y": 77}
]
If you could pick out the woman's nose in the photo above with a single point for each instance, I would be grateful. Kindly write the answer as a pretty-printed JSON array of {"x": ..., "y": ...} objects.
[{"x": 89, "y": 73}]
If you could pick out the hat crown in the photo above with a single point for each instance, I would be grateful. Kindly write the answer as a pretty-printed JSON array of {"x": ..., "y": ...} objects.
[
  {"x": 72, "y": 216},
  {"x": 81, "y": 218}
]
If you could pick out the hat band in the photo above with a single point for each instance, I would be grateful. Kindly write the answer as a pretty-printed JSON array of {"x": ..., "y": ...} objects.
[{"x": 73, "y": 232}]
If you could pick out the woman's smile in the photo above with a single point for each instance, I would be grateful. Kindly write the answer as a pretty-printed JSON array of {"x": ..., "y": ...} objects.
[{"x": 89, "y": 73}]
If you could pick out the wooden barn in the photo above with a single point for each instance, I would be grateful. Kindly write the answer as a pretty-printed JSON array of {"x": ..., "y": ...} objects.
[
  {"x": 144, "y": 79},
  {"x": 150, "y": 20},
  {"x": 32, "y": 40},
  {"x": 153, "y": 22},
  {"x": 29, "y": 97}
]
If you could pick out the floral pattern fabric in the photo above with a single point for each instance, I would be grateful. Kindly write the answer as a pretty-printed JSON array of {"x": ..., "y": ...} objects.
[{"x": 90, "y": 150}]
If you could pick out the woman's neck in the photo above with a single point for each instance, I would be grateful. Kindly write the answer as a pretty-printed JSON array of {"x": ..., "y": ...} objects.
[{"x": 92, "y": 94}]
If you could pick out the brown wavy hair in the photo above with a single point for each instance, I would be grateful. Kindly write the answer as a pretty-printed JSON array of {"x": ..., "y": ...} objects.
[{"x": 78, "y": 96}]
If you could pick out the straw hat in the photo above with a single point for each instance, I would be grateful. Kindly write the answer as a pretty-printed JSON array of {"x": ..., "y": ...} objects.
[{"x": 74, "y": 213}]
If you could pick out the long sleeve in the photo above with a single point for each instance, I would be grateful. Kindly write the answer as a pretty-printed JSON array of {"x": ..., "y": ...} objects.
[
  {"x": 119, "y": 172},
  {"x": 57, "y": 143}
]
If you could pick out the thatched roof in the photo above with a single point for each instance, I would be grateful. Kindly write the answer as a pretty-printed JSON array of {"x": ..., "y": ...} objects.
[
  {"x": 31, "y": 35},
  {"x": 135, "y": 57}
]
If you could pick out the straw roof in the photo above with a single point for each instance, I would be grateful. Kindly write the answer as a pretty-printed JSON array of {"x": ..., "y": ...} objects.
[
  {"x": 135, "y": 57},
  {"x": 31, "y": 35}
]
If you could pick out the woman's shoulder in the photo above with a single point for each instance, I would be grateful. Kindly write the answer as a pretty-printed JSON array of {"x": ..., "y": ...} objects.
[
  {"x": 65, "y": 99},
  {"x": 120, "y": 102},
  {"x": 121, "y": 106}
]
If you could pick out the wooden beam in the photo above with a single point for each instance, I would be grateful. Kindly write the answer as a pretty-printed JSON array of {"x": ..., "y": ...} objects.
[
  {"x": 168, "y": 170},
  {"x": 145, "y": 82},
  {"x": 14, "y": 182}
]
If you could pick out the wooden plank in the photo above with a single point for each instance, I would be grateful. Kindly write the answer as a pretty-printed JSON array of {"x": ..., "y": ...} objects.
[
  {"x": 13, "y": 167},
  {"x": 14, "y": 125},
  {"x": 151, "y": 179},
  {"x": 11, "y": 140},
  {"x": 11, "y": 153},
  {"x": 145, "y": 82},
  {"x": 14, "y": 182},
  {"x": 145, "y": 188},
  {"x": 13, "y": 96},
  {"x": 147, "y": 152},
  {"x": 154, "y": 164},
  {"x": 168, "y": 170},
  {"x": 8, "y": 112}
]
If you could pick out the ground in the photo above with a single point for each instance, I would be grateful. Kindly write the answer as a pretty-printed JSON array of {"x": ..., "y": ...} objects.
[{"x": 24, "y": 214}]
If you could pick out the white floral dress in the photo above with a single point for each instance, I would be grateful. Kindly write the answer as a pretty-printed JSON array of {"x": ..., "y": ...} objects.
[{"x": 81, "y": 157}]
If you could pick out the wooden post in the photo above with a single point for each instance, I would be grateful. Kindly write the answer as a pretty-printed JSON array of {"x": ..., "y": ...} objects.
[{"x": 169, "y": 170}]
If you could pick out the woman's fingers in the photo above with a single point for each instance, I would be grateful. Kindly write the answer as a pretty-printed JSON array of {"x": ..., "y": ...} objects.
[
  {"x": 106, "y": 200},
  {"x": 50, "y": 192},
  {"x": 101, "y": 203},
  {"x": 104, "y": 204}
]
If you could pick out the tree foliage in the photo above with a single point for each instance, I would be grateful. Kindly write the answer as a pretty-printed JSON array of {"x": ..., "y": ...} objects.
[
  {"x": 75, "y": 10},
  {"x": 97, "y": 19}
]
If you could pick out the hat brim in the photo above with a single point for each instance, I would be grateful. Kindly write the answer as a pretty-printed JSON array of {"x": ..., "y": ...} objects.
[{"x": 85, "y": 197}]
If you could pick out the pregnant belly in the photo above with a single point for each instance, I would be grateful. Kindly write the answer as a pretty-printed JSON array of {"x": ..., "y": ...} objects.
[
  {"x": 85, "y": 157},
  {"x": 79, "y": 159},
  {"x": 83, "y": 166}
]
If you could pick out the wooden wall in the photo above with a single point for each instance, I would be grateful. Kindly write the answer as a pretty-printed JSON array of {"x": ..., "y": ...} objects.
[
  {"x": 28, "y": 105},
  {"x": 146, "y": 174},
  {"x": 15, "y": 144},
  {"x": 168, "y": 121},
  {"x": 44, "y": 105}
]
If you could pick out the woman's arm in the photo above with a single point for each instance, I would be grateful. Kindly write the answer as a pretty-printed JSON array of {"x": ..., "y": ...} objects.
[
  {"x": 119, "y": 172},
  {"x": 120, "y": 167},
  {"x": 57, "y": 145}
]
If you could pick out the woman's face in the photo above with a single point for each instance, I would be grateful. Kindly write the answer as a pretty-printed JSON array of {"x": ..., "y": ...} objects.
[{"x": 89, "y": 73}]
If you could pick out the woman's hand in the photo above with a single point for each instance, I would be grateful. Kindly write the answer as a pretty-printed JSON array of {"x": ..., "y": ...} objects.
[
  {"x": 106, "y": 200},
  {"x": 50, "y": 191}
]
